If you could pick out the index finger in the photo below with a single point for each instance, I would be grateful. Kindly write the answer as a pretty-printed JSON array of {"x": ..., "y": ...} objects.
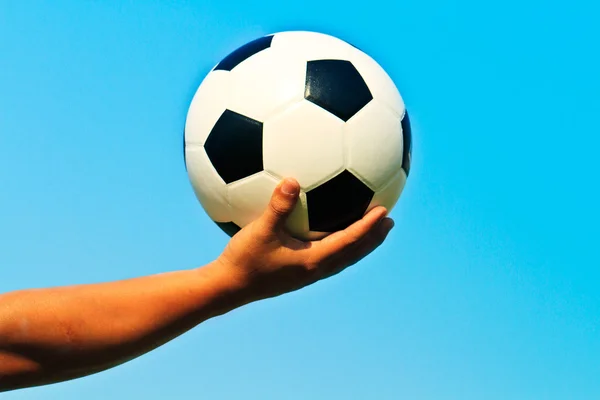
[{"x": 345, "y": 240}]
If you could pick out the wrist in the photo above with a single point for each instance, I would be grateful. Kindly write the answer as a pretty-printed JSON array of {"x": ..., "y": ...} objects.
[{"x": 228, "y": 289}]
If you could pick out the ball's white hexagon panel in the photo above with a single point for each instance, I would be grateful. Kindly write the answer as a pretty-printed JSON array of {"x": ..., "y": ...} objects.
[
  {"x": 311, "y": 45},
  {"x": 379, "y": 82},
  {"x": 265, "y": 83},
  {"x": 249, "y": 197},
  {"x": 373, "y": 144},
  {"x": 207, "y": 106},
  {"x": 388, "y": 196},
  {"x": 297, "y": 222},
  {"x": 210, "y": 189},
  {"x": 304, "y": 142},
  {"x": 315, "y": 235}
]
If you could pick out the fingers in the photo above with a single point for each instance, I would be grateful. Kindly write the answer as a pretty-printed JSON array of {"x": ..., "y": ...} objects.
[
  {"x": 371, "y": 242},
  {"x": 282, "y": 203},
  {"x": 350, "y": 254},
  {"x": 366, "y": 246},
  {"x": 340, "y": 242}
]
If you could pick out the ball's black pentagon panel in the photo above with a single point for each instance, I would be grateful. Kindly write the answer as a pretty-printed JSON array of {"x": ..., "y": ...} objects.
[
  {"x": 234, "y": 146},
  {"x": 336, "y": 86},
  {"x": 407, "y": 143},
  {"x": 229, "y": 228},
  {"x": 244, "y": 52},
  {"x": 184, "y": 156},
  {"x": 337, "y": 203}
]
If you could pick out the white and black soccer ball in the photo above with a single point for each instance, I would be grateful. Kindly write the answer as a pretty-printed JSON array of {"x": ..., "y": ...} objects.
[{"x": 304, "y": 105}]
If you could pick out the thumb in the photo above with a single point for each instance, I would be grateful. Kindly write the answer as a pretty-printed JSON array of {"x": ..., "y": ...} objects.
[{"x": 282, "y": 203}]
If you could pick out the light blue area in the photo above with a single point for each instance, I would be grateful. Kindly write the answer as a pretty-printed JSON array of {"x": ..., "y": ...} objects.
[{"x": 489, "y": 286}]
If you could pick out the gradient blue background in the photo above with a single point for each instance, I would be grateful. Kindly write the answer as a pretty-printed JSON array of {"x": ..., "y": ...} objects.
[{"x": 488, "y": 288}]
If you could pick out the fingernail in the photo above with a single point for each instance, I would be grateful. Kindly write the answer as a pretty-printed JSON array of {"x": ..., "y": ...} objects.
[{"x": 289, "y": 187}]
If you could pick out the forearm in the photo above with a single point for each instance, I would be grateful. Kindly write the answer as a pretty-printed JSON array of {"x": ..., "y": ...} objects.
[{"x": 50, "y": 335}]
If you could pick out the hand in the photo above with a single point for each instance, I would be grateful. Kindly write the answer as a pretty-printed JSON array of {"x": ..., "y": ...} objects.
[{"x": 265, "y": 261}]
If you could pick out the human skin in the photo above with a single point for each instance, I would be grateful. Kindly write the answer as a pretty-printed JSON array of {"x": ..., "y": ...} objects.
[{"x": 57, "y": 334}]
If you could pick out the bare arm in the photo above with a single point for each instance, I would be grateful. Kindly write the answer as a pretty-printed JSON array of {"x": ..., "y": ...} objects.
[{"x": 52, "y": 335}]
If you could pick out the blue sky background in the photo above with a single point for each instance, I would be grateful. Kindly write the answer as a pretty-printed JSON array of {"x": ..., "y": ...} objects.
[{"x": 489, "y": 286}]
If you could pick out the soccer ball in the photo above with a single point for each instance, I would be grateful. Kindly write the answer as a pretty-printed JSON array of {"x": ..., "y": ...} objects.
[{"x": 304, "y": 105}]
